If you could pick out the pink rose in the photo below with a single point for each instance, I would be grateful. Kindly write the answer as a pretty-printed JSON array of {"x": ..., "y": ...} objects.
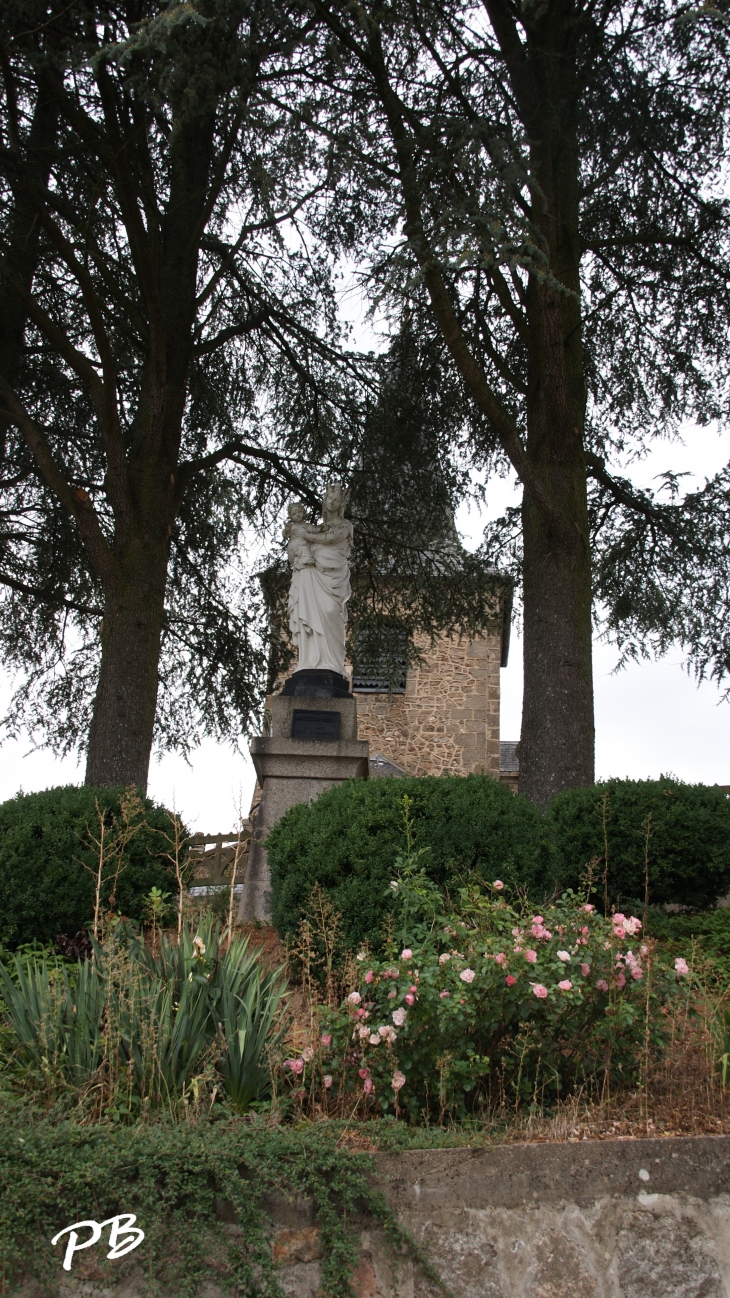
[
  {"x": 602, "y": 985},
  {"x": 413, "y": 989},
  {"x": 632, "y": 924},
  {"x": 397, "y": 1080},
  {"x": 564, "y": 956},
  {"x": 621, "y": 980},
  {"x": 406, "y": 953},
  {"x": 498, "y": 885},
  {"x": 585, "y": 970},
  {"x": 354, "y": 998},
  {"x": 618, "y": 918},
  {"x": 367, "y": 1085},
  {"x": 410, "y": 998},
  {"x": 637, "y": 972},
  {"x": 296, "y": 1065},
  {"x": 501, "y": 958},
  {"x": 510, "y": 980},
  {"x": 531, "y": 957},
  {"x": 515, "y": 932},
  {"x": 538, "y": 919},
  {"x": 466, "y": 975},
  {"x": 619, "y": 931},
  {"x": 363, "y": 1072},
  {"x": 369, "y": 976},
  {"x": 588, "y": 908},
  {"x": 442, "y": 995},
  {"x": 399, "y": 1017},
  {"x": 392, "y": 995},
  {"x": 540, "y": 991},
  {"x": 327, "y": 1081},
  {"x": 566, "y": 985},
  {"x": 326, "y": 1039},
  {"x": 681, "y": 966}
]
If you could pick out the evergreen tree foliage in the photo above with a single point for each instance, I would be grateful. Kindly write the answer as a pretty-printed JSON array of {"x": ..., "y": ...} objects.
[
  {"x": 547, "y": 181},
  {"x": 172, "y": 371}
]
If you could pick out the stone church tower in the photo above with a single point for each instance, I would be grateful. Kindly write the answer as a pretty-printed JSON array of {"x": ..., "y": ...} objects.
[{"x": 442, "y": 715}]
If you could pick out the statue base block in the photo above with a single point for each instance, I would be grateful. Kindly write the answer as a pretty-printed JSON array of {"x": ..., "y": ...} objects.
[
  {"x": 318, "y": 683},
  {"x": 292, "y": 770}
]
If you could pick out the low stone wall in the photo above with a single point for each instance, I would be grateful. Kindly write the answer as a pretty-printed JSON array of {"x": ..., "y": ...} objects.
[
  {"x": 603, "y": 1219},
  {"x": 592, "y": 1219}
]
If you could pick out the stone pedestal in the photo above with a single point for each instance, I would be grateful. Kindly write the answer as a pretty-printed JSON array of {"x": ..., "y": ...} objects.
[{"x": 291, "y": 769}]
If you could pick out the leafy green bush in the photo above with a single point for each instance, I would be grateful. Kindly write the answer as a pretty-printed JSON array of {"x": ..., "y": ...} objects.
[
  {"x": 688, "y": 846},
  {"x": 349, "y": 839},
  {"x": 488, "y": 1000},
  {"x": 708, "y": 931},
  {"x": 48, "y": 861}
]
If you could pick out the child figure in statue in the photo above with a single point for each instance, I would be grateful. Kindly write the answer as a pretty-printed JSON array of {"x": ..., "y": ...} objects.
[{"x": 297, "y": 534}]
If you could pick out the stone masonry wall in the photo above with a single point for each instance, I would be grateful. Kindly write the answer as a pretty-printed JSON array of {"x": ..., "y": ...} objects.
[
  {"x": 583, "y": 1219},
  {"x": 448, "y": 718}
]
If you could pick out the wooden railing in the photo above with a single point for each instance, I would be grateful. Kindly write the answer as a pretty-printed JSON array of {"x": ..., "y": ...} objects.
[{"x": 215, "y": 863}]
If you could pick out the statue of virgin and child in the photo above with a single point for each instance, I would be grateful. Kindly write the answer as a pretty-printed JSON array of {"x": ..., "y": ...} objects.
[{"x": 320, "y": 584}]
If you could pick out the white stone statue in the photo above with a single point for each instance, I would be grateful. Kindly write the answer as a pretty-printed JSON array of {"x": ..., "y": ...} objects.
[{"x": 320, "y": 584}]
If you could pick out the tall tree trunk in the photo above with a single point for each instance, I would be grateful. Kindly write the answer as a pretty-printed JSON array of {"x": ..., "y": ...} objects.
[
  {"x": 122, "y": 726},
  {"x": 24, "y": 237},
  {"x": 557, "y": 740},
  {"x": 145, "y": 494},
  {"x": 557, "y": 745}
]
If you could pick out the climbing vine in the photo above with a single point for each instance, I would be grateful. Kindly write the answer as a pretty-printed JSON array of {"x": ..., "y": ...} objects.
[{"x": 201, "y": 1191}]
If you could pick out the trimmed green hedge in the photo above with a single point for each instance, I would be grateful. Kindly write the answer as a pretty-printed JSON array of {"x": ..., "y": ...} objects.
[
  {"x": 44, "y": 887},
  {"x": 348, "y": 840},
  {"x": 689, "y": 843}
]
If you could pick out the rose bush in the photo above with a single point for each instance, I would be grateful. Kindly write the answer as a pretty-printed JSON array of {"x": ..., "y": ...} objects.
[{"x": 486, "y": 997}]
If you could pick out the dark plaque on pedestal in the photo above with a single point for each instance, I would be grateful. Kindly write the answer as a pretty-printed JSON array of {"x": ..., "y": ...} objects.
[{"x": 315, "y": 725}]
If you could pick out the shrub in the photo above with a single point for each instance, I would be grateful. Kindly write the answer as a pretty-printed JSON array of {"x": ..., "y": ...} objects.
[
  {"x": 487, "y": 1001},
  {"x": 349, "y": 839},
  {"x": 688, "y": 844},
  {"x": 45, "y": 846},
  {"x": 707, "y": 931},
  {"x": 136, "y": 1029}
]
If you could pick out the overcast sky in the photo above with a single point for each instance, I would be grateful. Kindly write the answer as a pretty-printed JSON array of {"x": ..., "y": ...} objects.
[{"x": 651, "y": 718}]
